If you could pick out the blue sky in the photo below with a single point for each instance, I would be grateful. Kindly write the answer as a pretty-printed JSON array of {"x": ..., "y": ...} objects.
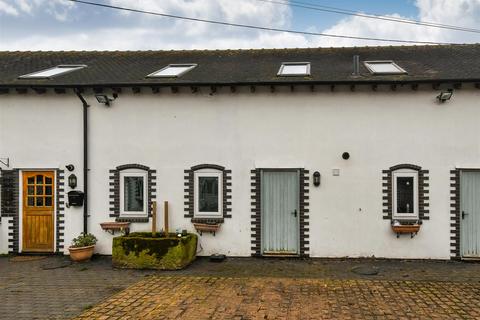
[{"x": 62, "y": 25}]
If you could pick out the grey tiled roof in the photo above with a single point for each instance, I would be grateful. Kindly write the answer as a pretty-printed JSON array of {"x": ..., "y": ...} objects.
[{"x": 230, "y": 67}]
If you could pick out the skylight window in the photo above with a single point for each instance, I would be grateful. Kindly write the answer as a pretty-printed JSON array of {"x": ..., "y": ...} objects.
[
  {"x": 52, "y": 72},
  {"x": 173, "y": 70},
  {"x": 294, "y": 69},
  {"x": 383, "y": 67}
]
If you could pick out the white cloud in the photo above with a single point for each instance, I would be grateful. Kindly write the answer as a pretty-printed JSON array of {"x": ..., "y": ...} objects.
[
  {"x": 131, "y": 31},
  {"x": 7, "y": 8}
]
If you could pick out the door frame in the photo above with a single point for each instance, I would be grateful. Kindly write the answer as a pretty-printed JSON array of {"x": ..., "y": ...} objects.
[
  {"x": 459, "y": 212},
  {"x": 296, "y": 254},
  {"x": 20, "y": 206}
]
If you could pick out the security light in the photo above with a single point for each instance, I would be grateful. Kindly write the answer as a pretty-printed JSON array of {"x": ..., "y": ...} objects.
[
  {"x": 104, "y": 99},
  {"x": 445, "y": 95}
]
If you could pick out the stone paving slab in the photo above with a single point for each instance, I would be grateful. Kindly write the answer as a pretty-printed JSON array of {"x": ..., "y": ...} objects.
[{"x": 191, "y": 297}]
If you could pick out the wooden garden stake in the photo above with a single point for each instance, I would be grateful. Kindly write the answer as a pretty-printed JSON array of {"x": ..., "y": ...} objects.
[
  {"x": 154, "y": 218},
  {"x": 165, "y": 217}
]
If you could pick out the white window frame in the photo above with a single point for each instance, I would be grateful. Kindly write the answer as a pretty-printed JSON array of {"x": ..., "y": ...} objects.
[
  {"x": 368, "y": 64},
  {"x": 133, "y": 173},
  {"x": 405, "y": 173},
  {"x": 32, "y": 75},
  {"x": 208, "y": 173},
  {"x": 307, "y": 73},
  {"x": 190, "y": 65}
]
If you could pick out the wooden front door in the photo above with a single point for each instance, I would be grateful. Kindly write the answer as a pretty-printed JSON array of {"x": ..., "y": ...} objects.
[{"x": 38, "y": 207}]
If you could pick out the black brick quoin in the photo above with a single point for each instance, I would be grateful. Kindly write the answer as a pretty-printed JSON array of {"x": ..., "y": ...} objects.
[
  {"x": 9, "y": 206},
  {"x": 189, "y": 193},
  {"x": 455, "y": 214},
  {"x": 256, "y": 216},
  {"x": 423, "y": 191},
  {"x": 114, "y": 191},
  {"x": 60, "y": 221}
]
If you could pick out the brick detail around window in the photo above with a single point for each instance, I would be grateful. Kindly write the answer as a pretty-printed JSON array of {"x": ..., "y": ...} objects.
[
  {"x": 423, "y": 191},
  {"x": 256, "y": 236},
  {"x": 114, "y": 192},
  {"x": 455, "y": 214},
  {"x": 190, "y": 197},
  {"x": 256, "y": 212},
  {"x": 9, "y": 206},
  {"x": 304, "y": 213},
  {"x": 60, "y": 210}
]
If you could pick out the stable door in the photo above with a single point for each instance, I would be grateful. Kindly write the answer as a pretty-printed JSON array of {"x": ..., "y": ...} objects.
[
  {"x": 38, "y": 208},
  {"x": 280, "y": 212}
]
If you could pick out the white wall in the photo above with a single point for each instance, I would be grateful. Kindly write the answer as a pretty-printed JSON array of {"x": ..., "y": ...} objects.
[{"x": 241, "y": 131}]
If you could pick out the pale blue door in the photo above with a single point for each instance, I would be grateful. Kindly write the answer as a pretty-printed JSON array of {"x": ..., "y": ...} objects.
[
  {"x": 280, "y": 208},
  {"x": 470, "y": 214}
]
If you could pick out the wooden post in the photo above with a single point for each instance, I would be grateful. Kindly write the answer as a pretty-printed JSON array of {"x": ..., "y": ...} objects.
[
  {"x": 154, "y": 218},
  {"x": 165, "y": 217}
]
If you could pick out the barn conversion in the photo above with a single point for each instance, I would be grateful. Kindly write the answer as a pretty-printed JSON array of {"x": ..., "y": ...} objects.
[{"x": 328, "y": 152}]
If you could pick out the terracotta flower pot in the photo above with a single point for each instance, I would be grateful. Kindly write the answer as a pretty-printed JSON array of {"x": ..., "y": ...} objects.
[{"x": 81, "y": 254}]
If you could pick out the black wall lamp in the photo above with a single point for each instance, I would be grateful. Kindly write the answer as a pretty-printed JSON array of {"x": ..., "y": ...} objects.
[
  {"x": 316, "y": 178},
  {"x": 345, "y": 156},
  {"x": 72, "y": 181},
  {"x": 70, "y": 167}
]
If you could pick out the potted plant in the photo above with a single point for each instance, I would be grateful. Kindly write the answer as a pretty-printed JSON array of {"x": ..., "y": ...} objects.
[{"x": 82, "y": 247}]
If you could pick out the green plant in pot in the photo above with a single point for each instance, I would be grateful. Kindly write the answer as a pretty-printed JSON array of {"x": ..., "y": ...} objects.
[{"x": 82, "y": 247}]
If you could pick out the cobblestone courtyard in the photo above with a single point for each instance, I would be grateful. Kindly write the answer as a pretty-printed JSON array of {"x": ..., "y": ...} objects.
[{"x": 51, "y": 288}]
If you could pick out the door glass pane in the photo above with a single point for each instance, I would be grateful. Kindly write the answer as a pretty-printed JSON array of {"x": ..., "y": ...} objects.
[
  {"x": 39, "y": 201},
  {"x": 48, "y": 201},
  {"x": 39, "y": 190},
  {"x": 31, "y": 190},
  {"x": 405, "y": 195},
  {"x": 133, "y": 193},
  {"x": 48, "y": 180},
  {"x": 39, "y": 179},
  {"x": 48, "y": 190},
  {"x": 208, "y": 194},
  {"x": 31, "y": 201},
  {"x": 31, "y": 180}
]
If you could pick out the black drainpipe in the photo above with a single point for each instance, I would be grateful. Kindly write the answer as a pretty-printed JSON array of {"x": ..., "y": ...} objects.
[{"x": 85, "y": 160}]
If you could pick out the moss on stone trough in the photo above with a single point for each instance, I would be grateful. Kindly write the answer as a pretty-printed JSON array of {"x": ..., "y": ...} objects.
[{"x": 142, "y": 250}]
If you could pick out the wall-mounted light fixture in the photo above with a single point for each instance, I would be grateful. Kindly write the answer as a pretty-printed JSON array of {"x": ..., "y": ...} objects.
[
  {"x": 72, "y": 181},
  {"x": 70, "y": 167},
  {"x": 103, "y": 98},
  {"x": 445, "y": 95},
  {"x": 316, "y": 178},
  {"x": 345, "y": 156}
]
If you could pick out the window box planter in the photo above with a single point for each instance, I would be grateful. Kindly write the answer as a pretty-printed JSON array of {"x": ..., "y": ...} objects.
[
  {"x": 206, "y": 227},
  {"x": 142, "y": 250},
  {"x": 411, "y": 229},
  {"x": 115, "y": 226}
]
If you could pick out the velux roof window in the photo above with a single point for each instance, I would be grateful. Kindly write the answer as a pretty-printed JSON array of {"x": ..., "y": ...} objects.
[
  {"x": 384, "y": 67},
  {"x": 173, "y": 70},
  {"x": 294, "y": 69},
  {"x": 52, "y": 72}
]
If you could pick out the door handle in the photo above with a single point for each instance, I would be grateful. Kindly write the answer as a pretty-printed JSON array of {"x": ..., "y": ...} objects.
[
  {"x": 464, "y": 214},
  {"x": 295, "y": 212}
]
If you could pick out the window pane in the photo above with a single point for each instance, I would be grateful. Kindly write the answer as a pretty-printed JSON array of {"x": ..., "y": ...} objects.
[
  {"x": 48, "y": 201},
  {"x": 48, "y": 190},
  {"x": 405, "y": 195},
  {"x": 208, "y": 194},
  {"x": 39, "y": 179},
  {"x": 31, "y": 180},
  {"x": 133, "y": 193},
  {"x": 39, "y": 202},
  {"x": 292, "y": 69},
  {"x": 31, "y": 201},
  {"x": 31, "y": 190},
  {"x": 48, "y": 180},
  {"x": 39, "y": 190}
]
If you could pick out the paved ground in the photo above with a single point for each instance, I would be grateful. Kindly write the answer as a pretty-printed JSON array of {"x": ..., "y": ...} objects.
[{"x": 241, "y": 289}]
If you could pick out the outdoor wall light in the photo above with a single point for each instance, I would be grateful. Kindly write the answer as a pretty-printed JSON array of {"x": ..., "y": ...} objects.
[
  {"x": 104, "y": 99},
  {"x": 445, "y": 95},
  {"x": 316, "y": 178},
  {"x": 345, "y": 156},
  {"x": 72, "y": 181},
  {"x": 70, "y": 167}
]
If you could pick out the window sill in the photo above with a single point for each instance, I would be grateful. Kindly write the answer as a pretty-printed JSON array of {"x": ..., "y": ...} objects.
[
  {"x": 207, "y": 220},
  {"x": 132, "y": 219}
]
